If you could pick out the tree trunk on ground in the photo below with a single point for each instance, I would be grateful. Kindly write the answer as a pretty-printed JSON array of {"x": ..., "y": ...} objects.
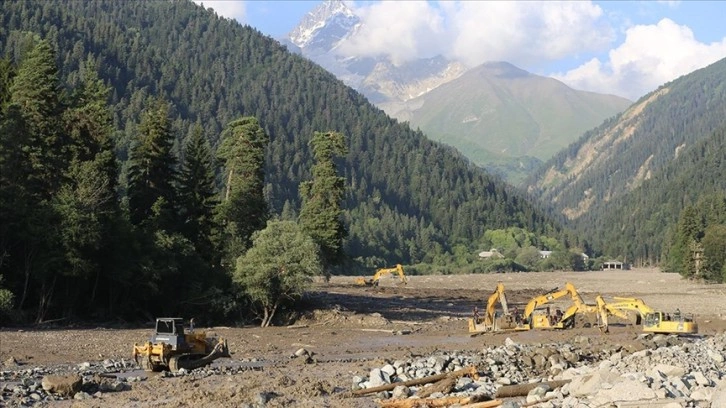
[
  {"x": 419, "y": 381},
  {"x": 519, "y": 390}
]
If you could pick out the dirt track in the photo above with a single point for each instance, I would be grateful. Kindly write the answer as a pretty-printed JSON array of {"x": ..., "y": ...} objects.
[{"x": 352, "y": 330}]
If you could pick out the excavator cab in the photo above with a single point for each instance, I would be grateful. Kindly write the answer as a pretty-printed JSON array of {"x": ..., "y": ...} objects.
[{"x": 670, "y": 323}]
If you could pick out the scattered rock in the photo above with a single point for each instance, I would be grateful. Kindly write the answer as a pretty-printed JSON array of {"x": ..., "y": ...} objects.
[{"x": 65, "y": 385}]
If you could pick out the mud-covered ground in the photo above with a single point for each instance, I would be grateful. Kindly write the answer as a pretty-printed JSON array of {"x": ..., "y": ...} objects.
[{"x": 350, "y": 330}]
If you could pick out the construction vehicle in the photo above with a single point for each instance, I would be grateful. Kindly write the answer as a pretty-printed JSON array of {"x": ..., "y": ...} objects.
[
  {"x": 653, "y": 321},
  {"x": 538, "y": 318},
  {"x": 493, "y": 320},
  {"x": 605, "y": 310},
  {"x": 382, "y": 272},
  {"x": 170, "y": 348}
]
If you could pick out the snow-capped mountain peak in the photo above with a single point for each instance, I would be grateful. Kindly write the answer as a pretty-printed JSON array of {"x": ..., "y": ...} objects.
[
  {"x": 324, "y": 26},
  {"x": 330, "y": 24}
]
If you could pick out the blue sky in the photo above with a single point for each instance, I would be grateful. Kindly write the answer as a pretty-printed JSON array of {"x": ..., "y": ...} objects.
[{"x": 626, "y": 48}]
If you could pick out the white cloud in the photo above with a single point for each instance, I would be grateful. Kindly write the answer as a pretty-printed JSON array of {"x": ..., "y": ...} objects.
[
  {"x": 650, "y": 56},
  {"x": 523, "y": 32},
  {"x": 474, "y": 32},
  {"x": 233, "y": 9},
  {"x": 402, "y": 30}
]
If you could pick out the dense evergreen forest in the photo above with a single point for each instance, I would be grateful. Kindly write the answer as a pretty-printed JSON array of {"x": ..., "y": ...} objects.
[
  {"x": 650, "y": 163},
  {"x": 116, "y": 124}
]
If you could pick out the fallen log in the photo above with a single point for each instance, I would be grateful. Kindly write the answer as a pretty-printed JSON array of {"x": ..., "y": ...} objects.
[
  {"x": 486, "y": 404},
  {"x": 520, "y": 390},
  {"x": 471, "y": 371},
  {"x": 443, "y": 386},
  {"x": 472, "y": 401}
]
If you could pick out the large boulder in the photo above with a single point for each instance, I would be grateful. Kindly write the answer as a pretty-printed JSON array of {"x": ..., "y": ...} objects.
[
  {"x": 65, "y": 385},
  {"x": 589, "y": 384},
  {"x": 718, "y": 398},
  {"x": 626, "y": 390}
]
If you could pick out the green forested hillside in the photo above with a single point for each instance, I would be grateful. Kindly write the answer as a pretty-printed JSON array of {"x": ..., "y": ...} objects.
[
  {"x": 626, "y": 182},
  {"x": 409, "y": 200},
  {"x": 641, "y": 225}
]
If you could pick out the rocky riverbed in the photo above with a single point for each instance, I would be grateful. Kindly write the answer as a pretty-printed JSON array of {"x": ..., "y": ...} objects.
[{"x": 349, "y": 340}]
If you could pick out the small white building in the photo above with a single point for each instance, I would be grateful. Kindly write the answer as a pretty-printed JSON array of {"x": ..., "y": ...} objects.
[{"x": 617, "y": 265}]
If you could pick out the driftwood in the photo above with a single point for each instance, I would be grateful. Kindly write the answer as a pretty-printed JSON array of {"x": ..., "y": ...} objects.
[
  {"x": 470, "y": 371},
  {"x": 520, "y": 390},
  {"x": 443, "y": 386},
  {"x": 473, "y": 401},
  {"x": 404, "y": 331},
  {"x": 486, "y": 404}
]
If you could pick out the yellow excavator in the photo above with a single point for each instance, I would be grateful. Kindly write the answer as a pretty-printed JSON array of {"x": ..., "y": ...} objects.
[
  {"x": 382, "y": 272},
  {"x": 492, "y": 320},
  {"x": 653, "y": 321},
  {"x": 538, "y": 318}
]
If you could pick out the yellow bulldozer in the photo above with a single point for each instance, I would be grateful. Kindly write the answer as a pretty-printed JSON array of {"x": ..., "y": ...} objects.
[
  {"x": 171, "y": 348},
  {"x": 382, "y": 272}
]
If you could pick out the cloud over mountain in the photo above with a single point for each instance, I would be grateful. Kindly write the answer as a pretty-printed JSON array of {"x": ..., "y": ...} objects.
[
  {"x": 650, "y": 56},
  {"x": 476, "y": 32}
]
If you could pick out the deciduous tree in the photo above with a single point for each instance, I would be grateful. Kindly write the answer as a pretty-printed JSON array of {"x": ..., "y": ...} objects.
[{"x": 278, "y": 268}]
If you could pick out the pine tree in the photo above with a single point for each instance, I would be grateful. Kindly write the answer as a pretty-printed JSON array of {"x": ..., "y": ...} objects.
[
  {"x": 152, "y": 171},
  {"x": 243, "y": 209},
  {"x": 87, "y": 201},
  {"x": 714, "y": 252},
  {"x": 36, "y": 92},
  {"x": 320, "y": 214},
  {"x": 7, "y": 73},
  {"x": 36, "y": 159},
  {"x": 198, "y": 196}
]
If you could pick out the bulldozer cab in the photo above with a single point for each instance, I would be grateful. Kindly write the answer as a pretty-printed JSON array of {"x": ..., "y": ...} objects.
[{"x": 170, "y": 330}]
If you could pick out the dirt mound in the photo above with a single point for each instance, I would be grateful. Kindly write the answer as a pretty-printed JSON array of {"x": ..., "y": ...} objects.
[{"x": 338, "y": 316}]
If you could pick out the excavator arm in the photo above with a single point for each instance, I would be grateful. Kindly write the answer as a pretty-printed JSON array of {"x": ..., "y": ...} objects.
[
  {"x": 625, "y": 305},
  {"x": 605, "y": 310},
  {"x": 497, "y": 295},
  {"x": 548, "y": 297},
  {"x": 401, "y": 276}
]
